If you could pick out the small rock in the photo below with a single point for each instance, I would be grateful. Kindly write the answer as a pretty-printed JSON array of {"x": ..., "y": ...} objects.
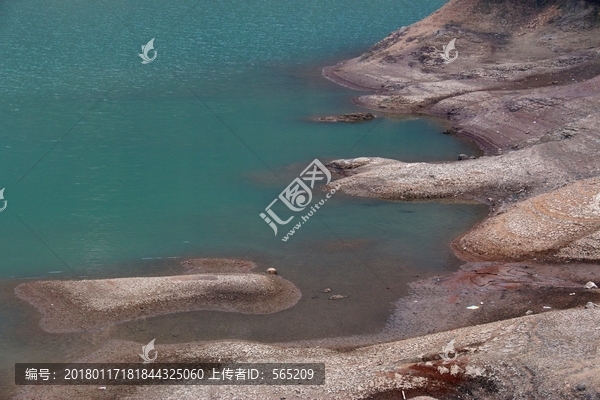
[
  {"x": 462, "y": 157},
  {"x": 590, "y": 305},
  {"x": 455, "y": 370},
  {"x": 528, "y": 312},
  {"x": 272, "y": 271},
  {"x": 327, "y": 290},
  {"x": 337, "y": 297},
  {"x": 590, "y": 285},
  {"x": 580, "y": 387}
]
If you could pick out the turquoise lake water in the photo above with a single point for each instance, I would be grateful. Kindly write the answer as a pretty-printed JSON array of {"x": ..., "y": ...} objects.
[{"x": 116, "y": 168}]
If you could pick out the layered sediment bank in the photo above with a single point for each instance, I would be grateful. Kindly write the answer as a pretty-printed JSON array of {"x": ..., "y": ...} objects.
[{"x": 70, "y": 306}]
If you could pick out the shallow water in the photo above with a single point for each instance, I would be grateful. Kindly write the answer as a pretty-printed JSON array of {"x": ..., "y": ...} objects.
[{"x": 114, "y": 168}]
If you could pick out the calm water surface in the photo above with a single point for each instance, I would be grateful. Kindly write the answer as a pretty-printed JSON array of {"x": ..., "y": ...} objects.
[{"x": 115, "y": 168}]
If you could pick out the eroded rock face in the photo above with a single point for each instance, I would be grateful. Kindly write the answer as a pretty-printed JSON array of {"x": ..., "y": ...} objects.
[{"x": 564, "y": 223}]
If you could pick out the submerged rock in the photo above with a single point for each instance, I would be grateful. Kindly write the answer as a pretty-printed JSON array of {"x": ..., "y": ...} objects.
[{"x": 351, "y": 118}]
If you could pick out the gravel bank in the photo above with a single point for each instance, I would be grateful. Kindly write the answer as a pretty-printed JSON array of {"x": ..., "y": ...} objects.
[{"x": 70, "y": 306}]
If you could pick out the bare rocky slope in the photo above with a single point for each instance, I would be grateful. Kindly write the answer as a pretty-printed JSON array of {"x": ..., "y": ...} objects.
[{"x": 524, "y": 86}]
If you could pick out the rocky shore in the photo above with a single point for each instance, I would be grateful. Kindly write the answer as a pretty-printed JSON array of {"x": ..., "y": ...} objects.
[
  {"x": 509, "y": 359},
  {"x": 539, "y": 305},
  {"x": 526, "y": 88}
]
